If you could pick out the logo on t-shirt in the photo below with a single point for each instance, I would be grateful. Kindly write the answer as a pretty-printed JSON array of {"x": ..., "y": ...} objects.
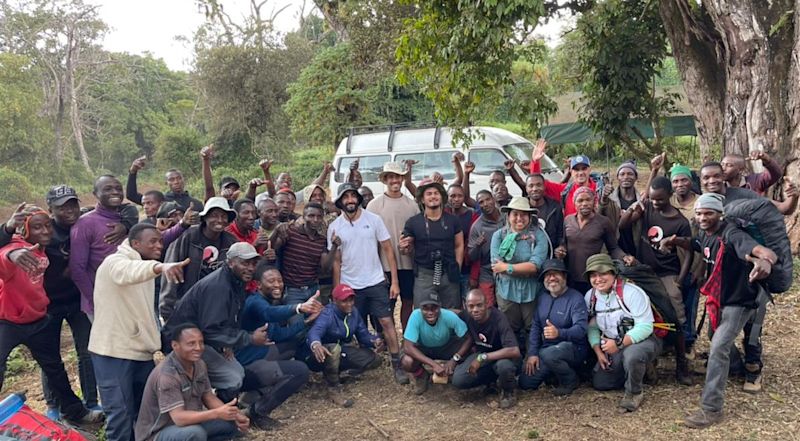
[
  {"x": 707, "y": 253},
  {"x": 655, "y": 234},
  {"x": 210, "y": 254}
]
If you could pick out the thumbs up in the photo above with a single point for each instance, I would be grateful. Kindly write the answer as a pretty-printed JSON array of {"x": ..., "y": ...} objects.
[
  {"x": 312, "y": 305},
  {"x": 550, "y": 331},
  {"x": 269, "y": 253},
  {"x": 336, "y": 241}
]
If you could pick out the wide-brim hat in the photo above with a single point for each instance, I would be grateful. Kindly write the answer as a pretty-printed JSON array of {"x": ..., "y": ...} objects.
[
  {"x": 344, "y": 188},
  {"x": 599, "y": 263},
  {"x": 430, "y": 183},
  {"x": 519, "y": 203},
  {"x": 222, "y": 204},
  {"x": 392, "y": 168},
  {"x": 552, "y": 265},
  {"x": 309, "y": 190}
]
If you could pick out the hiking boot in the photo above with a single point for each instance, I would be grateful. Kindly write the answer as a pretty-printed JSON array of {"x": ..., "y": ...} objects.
[
  {"x": 630, "y": 402},
  {"x": 264, "y": 422},
  {"x": 337, "y": 396},
  {"x": 507, "y": 399},
  {"x": 91, "y": 417},
  {"x": 52, "y": 413},
  {"x": 651, "y": 373},
  {"x": 752, "y": 383},
  {"x": 565, "y": 389},
  {"x": 421, "y": 383},
  {"x": 401, "y": 377},
  {"x": 702, "y": 419}
]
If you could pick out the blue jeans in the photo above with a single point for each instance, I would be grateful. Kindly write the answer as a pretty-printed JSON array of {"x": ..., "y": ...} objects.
[
  {"x": 121, "y": 383},
  {"x": 80, "y": 326},
  {"x": 299, "y": 295},
  {"x": 208, "y": 430},
  {"x": 560, "y": 360},
  {"x": 732, "y": 320}
]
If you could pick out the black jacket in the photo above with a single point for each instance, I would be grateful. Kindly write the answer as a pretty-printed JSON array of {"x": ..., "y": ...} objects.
[{"x": 215, "y": 305}]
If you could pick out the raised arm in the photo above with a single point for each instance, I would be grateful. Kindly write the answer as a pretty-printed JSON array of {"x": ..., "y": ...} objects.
[
  {"x": 206, "y": 154},
  {"x": 469, "y": 201},
  {"x": 456, "y": 160},
  {"x": 511, "y": 169},
  {"x": 131, "y": 190},
  {"x": 407, "y": 181},
  {"x": 327, "y": 168}
]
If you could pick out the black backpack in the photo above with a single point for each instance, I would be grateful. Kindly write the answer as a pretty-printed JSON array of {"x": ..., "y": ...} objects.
[{"x": 764, "y": 223}]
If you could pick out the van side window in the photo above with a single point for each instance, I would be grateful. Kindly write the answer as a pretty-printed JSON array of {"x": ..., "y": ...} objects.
[
  {"x": 369, "y": 166},
  {"x": 487, "y": 160},
  {"x": 430, "y": 162}
]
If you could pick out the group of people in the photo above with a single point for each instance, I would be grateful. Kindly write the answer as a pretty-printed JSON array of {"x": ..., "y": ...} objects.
[{"x": 246, "y": 297}]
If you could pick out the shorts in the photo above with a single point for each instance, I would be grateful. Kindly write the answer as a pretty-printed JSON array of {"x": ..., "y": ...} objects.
[
  {"x": 445, "y": 352},
  {"x": 406, "y": 278},
  {"x": 448, "y": 292},
  {"x": 374, "y": 301}
]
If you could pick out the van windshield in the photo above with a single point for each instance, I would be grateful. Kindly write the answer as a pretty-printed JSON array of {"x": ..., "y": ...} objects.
[
  {"x": 369, "y": 166},
  {"x": 522, "y": 152},
  {"x": 429, "y": 162}
]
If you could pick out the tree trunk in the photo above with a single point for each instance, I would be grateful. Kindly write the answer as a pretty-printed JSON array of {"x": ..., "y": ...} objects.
[{"x": 739, "y": 63}]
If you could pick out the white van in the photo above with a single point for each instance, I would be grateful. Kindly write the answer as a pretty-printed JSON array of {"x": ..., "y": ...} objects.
[{"x": 431, "y": 146}]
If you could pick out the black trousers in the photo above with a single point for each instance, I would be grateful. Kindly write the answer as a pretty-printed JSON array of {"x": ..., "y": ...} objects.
[
  {"x": 276, "y": 380},
  {"x": 43, "y": 341}
]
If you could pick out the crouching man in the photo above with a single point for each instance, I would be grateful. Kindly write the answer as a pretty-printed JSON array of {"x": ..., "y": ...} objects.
[
  {"x": 495, "y": 352},
  {"x": 177, "y": 392}
]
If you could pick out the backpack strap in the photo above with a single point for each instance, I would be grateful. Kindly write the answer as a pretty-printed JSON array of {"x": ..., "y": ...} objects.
[
  {"x": 565, "y": 193},
  {"x": 619, "y": 285}
]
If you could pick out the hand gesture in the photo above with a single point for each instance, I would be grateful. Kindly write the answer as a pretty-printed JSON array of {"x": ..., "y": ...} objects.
[
  {"x": 265, "y": 164},
  {"x": 526, "y": 164},
  {"x": 538, "y": 152},
  {"x": 354, "y": 165},
  {"x": 667, "y": 244},
  {"x": 174, "y": 271},
  {"x": 759, "y": 154},
  {"x": 312, "y": 305},
  {"x": 469, "y": 167},
  {"x": 138, "y": 164},
  {"x": 327, "y": 167},
  {"x": 270, "y": 253},
  {"x": 320, "y": 352},
  {"x": 509, "y": 164},
  {"x": 117, "y": 234},
  {"x": 257, "y": 182},
  {"x": 550, "y": 332},
  {"x": 17, "y": 219},
  {"x": 457, "y": 157},
  {"x": 25, "y": 258},
  {"x": 190, "y": 217},
  {"x": 437, "y": 178},
  {"x": 336, "y": 241},
  {"x": 260, "y": 337},
  {"x": 228, "y": 411},
  {"x": 229, "y": 193},
  {"x": 409, "y": 164},
  {"x": 531, "y": 365},
  {"x": 207, "y": 152},
  {"x": 658, "y": 161},
  {"x": 607, "y": 190},
  {"x": 761, "y": 268},
  {"x": 560, "y": 252}
]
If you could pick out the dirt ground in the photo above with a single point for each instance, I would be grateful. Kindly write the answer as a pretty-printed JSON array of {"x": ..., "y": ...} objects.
[{"x": 444, "y": 413}]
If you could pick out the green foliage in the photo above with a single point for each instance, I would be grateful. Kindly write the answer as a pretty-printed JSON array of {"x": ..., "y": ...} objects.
[
  {"x": 564, "y": 70},
  {"x": 179, "y": 147},
  {"x": 23, "y": 132},
  {"x": 461, "y": 54},
  {"x": 16, "y": 186},
  {"x": 623, "y": 48},
  {"x": 307, "y": 164},
  {"x": 19, "y": 362}
]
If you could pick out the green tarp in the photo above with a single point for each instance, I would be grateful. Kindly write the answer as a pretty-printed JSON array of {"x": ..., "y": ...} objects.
[{"x": 577, "y": 133}]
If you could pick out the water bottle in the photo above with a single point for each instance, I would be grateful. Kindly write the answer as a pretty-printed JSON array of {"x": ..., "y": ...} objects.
[{"x": 10, "y": 405}]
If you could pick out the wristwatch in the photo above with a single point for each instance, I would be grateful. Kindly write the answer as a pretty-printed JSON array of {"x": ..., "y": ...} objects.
[
  {"x": 482, "y": 357},
  {"x": 456, "y": 357},
  {"x": 510, "y": 268}
]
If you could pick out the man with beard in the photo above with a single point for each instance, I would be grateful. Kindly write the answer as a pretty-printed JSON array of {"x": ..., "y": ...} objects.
[
  {"x": 125, "y": 333},
  {"x": 205, "y": 245},
  {"x": 479, "y": 245},
  {"x": 89, "y": 244},
  {"x": 436, "y": 239},
  {"x": 355, "y": 237},
  {"x": 550, "y": 215},
  {"x": 557, "y": 345},
  {"x": 304, "y": 251},
  {"x": 614, "y": 203},
  {"x": 495, "y": 353},
  {"x": 286, "y": 201},
  {"x": 580, "y": 170},
  {"x": 394, "y": 208},
  {"x": 215, "y": 305}
]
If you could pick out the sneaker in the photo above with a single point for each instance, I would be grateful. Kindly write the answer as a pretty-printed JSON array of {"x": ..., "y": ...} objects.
[
  {"x": 401, "y": 377},
  {"x": 564, "y": 390},
  {"x": 752, "y": 383},
  {"x": 337, "y": 396},
  {"x": 630, "y": 402},
  {"x": 421, "y": 383},
  {"x": 702, "y": 419},
  {"x": 507, "y": 399},
  {"x": 265, "y": 422},
  {"x": 52, "y": 413}
]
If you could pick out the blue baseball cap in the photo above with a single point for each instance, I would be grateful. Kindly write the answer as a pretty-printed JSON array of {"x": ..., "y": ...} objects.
[{"x": 579, "y": 160}]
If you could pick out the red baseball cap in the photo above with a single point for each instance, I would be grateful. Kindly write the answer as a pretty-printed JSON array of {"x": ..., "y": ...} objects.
[{"x": 342, "y": 292}]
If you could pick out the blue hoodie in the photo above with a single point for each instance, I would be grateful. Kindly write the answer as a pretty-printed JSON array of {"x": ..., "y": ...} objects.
[{"x": 566, "y": 312}]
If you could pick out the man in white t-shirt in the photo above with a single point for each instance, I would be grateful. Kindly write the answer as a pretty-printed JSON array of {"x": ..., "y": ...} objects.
[
  {"x": 358, "y": 234},
  {"x": 395, "y": 208}
]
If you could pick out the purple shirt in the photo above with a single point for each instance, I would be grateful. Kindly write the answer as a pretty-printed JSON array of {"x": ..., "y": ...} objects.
[
  {"x": 88, "y": 250},
  {"x": 760, "y": 182}
]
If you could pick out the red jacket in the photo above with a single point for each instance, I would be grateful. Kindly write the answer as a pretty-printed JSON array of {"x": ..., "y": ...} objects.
[
  {"x": 553, "y": 190},
  {"x": 22, "y": 296}
]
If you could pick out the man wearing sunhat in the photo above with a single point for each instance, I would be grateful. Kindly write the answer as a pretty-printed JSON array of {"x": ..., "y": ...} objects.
[
  {"x": 620, "y": 331},
  {"x": 557, "y": 345},
  {"x": 359, "y": 234},
  {"x": 395, "y": 208},
  {"x": 581, "y": 170},
  {"x": 437, "y": 243},
  {"x": 205, "y": 244}
]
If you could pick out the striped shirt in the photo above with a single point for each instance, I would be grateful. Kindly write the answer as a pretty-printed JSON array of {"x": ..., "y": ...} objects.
[{"x": 301, "y": 255}]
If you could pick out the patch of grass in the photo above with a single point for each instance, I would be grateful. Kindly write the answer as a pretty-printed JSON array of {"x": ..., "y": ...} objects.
[
  {"x": 19, "y": 362},
  {"x": 533, "y": 434}
]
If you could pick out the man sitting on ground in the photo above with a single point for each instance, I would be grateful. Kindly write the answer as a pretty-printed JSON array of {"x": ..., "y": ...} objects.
[
  {"x": 433, "y": 334},
  {"x": 495, "y": 352},
  {"x": 178, "y": 403}
]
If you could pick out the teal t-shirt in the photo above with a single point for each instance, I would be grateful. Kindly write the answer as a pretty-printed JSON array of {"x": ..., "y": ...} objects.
[{"x": 421, "y": 333}]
